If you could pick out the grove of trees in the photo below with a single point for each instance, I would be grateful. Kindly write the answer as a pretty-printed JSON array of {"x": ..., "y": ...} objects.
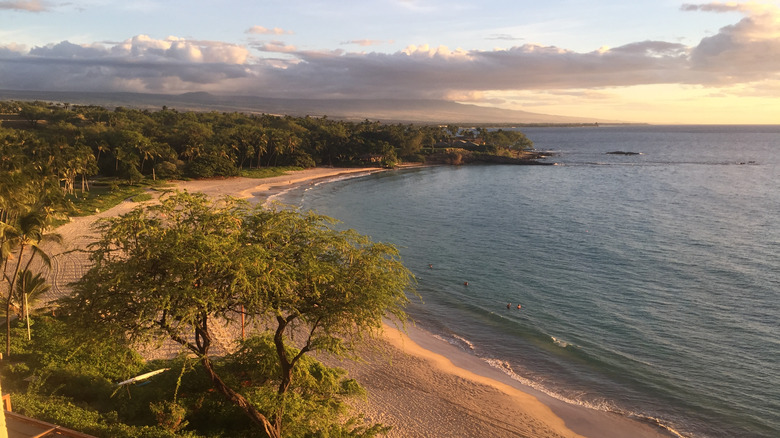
[{"x": 71, "y": 143}]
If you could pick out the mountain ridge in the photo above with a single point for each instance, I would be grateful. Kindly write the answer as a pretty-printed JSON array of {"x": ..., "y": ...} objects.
[{"x": 385, "y": 110}]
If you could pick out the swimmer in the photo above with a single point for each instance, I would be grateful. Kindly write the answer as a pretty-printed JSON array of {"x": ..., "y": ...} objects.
[
  {"x": 519, "y": 307},
  {"x": 465, "y": 283},
  {"x": 508, "y": 305}
]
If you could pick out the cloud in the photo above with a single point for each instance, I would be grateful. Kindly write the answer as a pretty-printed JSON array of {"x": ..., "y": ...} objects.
[
  {"x": 743, "y": 53},
  {"x": 260, "y": 30},
  {"x": 275, "y": 47},
  {"x": 503, "y": 37},
  {"x": 25, "y": 5},
  {"x": 140, "y": 63},
  {"x": 12, "y": 50},
  {"x": 180, "y": 49},
  {"x": 366, "y": 43},
  {"x": 746, "y": 51}
]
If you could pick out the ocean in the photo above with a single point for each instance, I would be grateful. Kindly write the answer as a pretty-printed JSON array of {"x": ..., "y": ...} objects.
[{"x": 649, "y": 282}]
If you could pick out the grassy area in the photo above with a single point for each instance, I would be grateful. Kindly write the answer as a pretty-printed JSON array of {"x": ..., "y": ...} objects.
[
  {"x": 267, "y": 172},
  {"x": 108, "y": 193},
  {"x": 141, "y": 197}
]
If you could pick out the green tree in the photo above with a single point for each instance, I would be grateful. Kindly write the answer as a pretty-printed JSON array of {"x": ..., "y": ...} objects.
[
  {"x": 34, "y": 112},
  {"x": 29, "y": 286},
  {"x": 178, "y": 269},
  {"x": 25, "y": 235},
  {"x": 508, "y": 139}
]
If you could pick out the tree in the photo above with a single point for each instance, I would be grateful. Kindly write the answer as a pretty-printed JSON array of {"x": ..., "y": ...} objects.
[
  {"x": 29, "y": 232},
  {"x": 508, "y": 139},
  {"x": 178, "y": 269},
  {"x": 29, "y": 286},
  {"x": 34, "y": 112}
]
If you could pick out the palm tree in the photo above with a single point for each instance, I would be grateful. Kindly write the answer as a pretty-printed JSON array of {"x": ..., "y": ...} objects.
[
  {"x": 28, "y": 288},
  {"x": 29, "y": 232}
]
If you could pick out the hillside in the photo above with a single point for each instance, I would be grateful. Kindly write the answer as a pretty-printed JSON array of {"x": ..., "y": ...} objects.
[{"x": 407, "y": 111}]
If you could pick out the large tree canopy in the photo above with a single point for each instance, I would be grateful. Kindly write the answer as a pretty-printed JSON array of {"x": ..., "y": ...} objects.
[{"x": 181, "y": 267}]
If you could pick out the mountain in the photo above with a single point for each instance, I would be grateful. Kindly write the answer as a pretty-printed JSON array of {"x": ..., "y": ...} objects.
[{"x": 386, "y": 110}]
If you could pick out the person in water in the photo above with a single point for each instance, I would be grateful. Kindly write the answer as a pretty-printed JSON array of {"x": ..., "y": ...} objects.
[
  {"x": 519, "y": 307},
  {"x": 508, "y": 305}
]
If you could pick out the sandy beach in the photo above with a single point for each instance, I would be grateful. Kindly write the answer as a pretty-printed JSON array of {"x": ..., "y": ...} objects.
[{"x": 421, "y": 386}]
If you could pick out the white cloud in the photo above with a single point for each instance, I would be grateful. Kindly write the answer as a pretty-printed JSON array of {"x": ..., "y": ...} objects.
[
  {"x": 260, "y": 30},
  {"x": 182, "y": 50}
]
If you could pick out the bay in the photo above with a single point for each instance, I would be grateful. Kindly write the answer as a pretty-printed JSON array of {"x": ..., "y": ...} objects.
[{"x": 649, "y": 282}]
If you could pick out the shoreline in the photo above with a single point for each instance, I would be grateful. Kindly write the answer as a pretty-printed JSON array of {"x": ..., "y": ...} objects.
[
  {"x": 417, "y": 383},
  {"x": 580, "y": 420},
  {"x": 268, "y": 188}
]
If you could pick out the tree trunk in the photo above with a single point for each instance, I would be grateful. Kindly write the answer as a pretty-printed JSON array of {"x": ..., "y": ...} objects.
[
  {"x": 286, "y": 369},
  {"x": 3, "y": 428},
  {"x": 273, "y": 431},
  {"x": 203, "y": 341},
  {"x": 11, "y": 285},
  {"x": 8, "y": 326}
]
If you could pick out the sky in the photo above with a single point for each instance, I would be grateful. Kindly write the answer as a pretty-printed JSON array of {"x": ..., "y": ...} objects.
[{"x": 654, "y": 61}]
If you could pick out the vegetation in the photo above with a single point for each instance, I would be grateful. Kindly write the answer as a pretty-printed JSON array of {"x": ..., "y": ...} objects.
[
  {"x": 178, "y": 269},
  {"x": 69, "y": 378},
  {"x": 69, "y": 144}
]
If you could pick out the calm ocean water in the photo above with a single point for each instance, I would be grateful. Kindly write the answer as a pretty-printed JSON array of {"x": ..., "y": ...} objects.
[{"x": 649, "y": 284}]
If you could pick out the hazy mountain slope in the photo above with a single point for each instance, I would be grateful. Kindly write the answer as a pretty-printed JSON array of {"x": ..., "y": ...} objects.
[{"x": 426, "y": 111}]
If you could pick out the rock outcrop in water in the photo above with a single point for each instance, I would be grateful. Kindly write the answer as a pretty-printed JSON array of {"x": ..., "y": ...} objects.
[{"x": 623, "y": 153}]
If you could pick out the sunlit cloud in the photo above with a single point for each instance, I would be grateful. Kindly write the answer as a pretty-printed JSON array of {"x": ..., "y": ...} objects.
[
  {"x": 12, "y": 49},
  {"x": 143, "y": 46},
  {"x": 426, "y": 51},
  {"x": 366, "y": 43},
  {"x": 260, "y": 30},
  {"x": 275, "y": 47},
  {"x": 25, "y": 5},
  {"x": 748, "y": 50}
]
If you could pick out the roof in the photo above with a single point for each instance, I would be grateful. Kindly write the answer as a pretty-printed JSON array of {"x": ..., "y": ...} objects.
[{"x": 20, "y": 426}]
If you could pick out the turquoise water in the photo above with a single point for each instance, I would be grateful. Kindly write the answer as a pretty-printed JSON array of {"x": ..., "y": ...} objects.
[{"x": 649, "y": 284}]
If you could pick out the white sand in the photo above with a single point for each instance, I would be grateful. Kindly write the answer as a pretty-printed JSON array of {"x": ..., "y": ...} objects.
[{"x": 421, "y": 393}]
